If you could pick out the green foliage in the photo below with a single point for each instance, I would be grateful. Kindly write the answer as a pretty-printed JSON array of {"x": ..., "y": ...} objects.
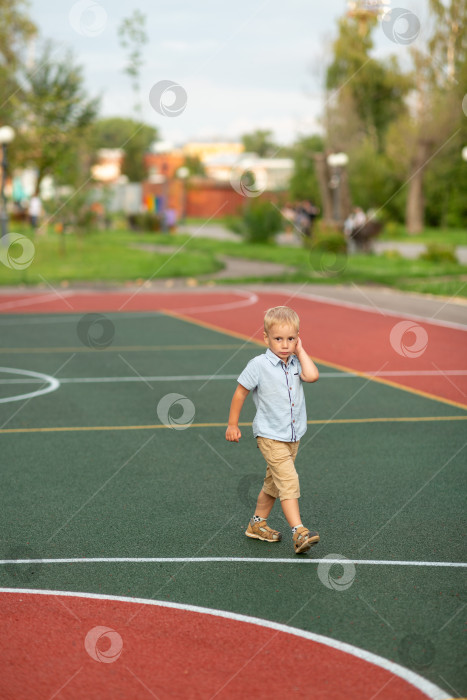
[
  {"x": 261, "y": 221},
  {"x": 373, "y": 89},
  {"x": 392, "y": 255},
  {"x": 72, "y": 212},
  {"x": 234, "y": 224},
  {"x": 437, "y": 253},
  {"x": 16, "y": 29},
  {"x": 327, "y": 239},
  {"x": 194, "y": 165},
  {"x": 260, "y": 142},
  {"x": 373, "y": 180},
  {"x": 146, "y": 221},
  {"x": 133, "y": 137},
  {"x": 132, "y": 36},
  {"x": 304, "y": 183},
  {"x": 55, "y": 115}
]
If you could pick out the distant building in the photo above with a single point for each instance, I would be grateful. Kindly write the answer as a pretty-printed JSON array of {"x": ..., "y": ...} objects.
[
  {"x": 204, "y": 149},
  {"x": 212, "y": 195},
  {"x": 108, "y": 168}
]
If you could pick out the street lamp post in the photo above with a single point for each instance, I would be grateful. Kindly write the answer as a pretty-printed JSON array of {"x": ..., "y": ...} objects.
[
  {"x": 183, "y": 174},
  {"x": 337, "y": 162},
  {"x": 7, "y": 135}
]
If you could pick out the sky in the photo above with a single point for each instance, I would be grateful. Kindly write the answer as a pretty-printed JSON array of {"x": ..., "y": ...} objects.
[{"x": 243, "y": 65}]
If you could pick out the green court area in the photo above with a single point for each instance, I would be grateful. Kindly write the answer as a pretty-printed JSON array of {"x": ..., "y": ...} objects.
[{"x": 125, "y": 457}]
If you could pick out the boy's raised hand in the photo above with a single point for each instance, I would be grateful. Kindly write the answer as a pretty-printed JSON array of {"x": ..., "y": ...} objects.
[
  {"x": 233, "y": 434},
  {"x": 299, "y": 346}
]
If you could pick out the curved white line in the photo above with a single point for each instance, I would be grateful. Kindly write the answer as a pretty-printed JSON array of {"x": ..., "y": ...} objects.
[
  {"x": 52, "y": 382},
  {"x": 251, "y": 298},
  {"x": 431, "y": 691},
  {"x": 254, "y": 560}
]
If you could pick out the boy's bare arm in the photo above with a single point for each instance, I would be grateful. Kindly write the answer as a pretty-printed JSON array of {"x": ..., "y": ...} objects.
[
  {"x": 310, "y": 371},
  {"x": 233, "y": 433}
]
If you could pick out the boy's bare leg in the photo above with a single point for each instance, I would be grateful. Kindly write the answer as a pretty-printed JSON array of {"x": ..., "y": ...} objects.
[
  {"x": 264, "y": 504},
  {"x": 291, "y": 511}
]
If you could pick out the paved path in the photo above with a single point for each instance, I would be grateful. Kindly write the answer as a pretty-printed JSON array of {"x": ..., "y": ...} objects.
[
  {"x": 383, "y": 300},
  {"x": 234, "y": 267}
]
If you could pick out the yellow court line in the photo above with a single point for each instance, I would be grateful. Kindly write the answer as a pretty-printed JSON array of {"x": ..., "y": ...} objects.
[
  {"x": 158, "y": 426},
  {"x": 117, "y": 348},
  {"x": 334, "y": 365}
]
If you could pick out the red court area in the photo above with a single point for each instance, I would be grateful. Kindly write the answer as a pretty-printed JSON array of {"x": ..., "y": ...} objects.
[
  {"x": 422, "y": 355},
  {"x": 78, "y": 647}
]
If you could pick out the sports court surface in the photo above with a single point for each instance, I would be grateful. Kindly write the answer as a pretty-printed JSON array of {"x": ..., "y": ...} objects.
[{"x": 124, "y": 569}]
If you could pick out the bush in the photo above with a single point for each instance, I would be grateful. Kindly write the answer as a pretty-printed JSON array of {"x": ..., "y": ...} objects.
[
  {"x": 261, "y": 221},
  {"x": 146, "y": 221},
  {"x": 329, "y": 240},
  {"x": 234, "y": 224},
  {"x": 439, "y": 253}
]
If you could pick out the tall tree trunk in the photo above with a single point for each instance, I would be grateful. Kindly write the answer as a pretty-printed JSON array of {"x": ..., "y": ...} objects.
[
  {"x": 323, "y": 176},
  {"x": 415, "y": 209}
]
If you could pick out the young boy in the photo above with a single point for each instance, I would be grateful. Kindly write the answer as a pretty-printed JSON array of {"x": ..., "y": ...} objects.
[{"x": 276, "y": 381}]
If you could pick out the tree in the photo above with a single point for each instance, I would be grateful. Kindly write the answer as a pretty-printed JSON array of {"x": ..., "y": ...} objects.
[
  {"x": 133, "y": 137},
  {"x": 195, "y": 165},
  {"x": 260, "y": 142},
  {"x": 133, "y": 36},
  {"x": 365, "y": 94},
  {"x": 55, "y": 115},
  {"x": 304, "y": 182},
  {"x": 16, "y": 30},
  {"x": 427, "y": 135}
]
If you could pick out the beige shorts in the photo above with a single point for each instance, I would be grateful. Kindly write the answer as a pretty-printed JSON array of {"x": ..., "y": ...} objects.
[{"x": 281, "y": 477}]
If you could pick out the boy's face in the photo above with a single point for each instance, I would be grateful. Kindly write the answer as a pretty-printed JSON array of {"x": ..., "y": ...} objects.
[{"x": 282, "y": 340}]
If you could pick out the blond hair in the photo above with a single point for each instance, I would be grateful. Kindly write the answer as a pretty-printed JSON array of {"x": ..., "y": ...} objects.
[{"x": 282, "y": 315}]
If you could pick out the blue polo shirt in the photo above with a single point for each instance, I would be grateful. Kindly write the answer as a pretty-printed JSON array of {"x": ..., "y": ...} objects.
[{"x": 278, "y": 396}]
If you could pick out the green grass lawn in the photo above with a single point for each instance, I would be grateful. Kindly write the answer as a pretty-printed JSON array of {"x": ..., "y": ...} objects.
[
  {"x": 398, "y": 232},
  {"x": 105, "y": 255},
  {"x": 109, "y": 256}
]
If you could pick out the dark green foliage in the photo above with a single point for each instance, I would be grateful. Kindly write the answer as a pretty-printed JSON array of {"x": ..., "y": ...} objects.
[
  {"x": 439, "y": 253},
  {"x": 260, "y": 221}
]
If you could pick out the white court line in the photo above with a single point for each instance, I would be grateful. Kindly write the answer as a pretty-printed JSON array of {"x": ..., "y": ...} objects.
[
  {"x": 382, "y": 311},
  {"x": 425, "y": 686},
  {"x": 64, "y": 317},
  {"x": 200, "y": 377},
  {"x": 52, "y": 383},
  {"x": 253, "y": 560},
  {"x": 251, "y": 299},
  {"x": 41, "y": 299}
]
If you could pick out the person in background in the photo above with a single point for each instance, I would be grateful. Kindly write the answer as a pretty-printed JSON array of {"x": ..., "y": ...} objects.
[{"x": 35, "y": 211}]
